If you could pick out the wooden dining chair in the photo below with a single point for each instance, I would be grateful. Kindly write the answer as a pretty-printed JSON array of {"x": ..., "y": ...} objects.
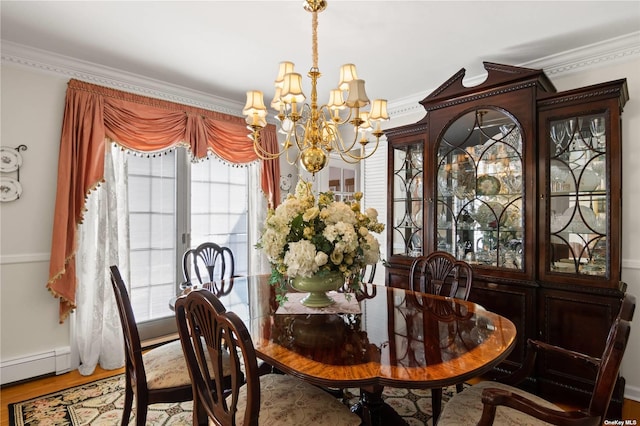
[
  {"x": 210, "y": 262},
  {"x": 205, "y": 326},
  {"x": 158, "y": 375},
  {"x": 502, "y": 403},
  {"x": 213, "y": 262},
  {"x": 442, "y": 274},
  {"x": 187, "y": 265}
]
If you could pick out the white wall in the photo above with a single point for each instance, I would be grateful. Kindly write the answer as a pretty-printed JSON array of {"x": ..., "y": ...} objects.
[{"x": 32, "y": 111}]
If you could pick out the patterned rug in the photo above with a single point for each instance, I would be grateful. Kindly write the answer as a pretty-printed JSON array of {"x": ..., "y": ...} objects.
[{"x": 101, "y": 402}]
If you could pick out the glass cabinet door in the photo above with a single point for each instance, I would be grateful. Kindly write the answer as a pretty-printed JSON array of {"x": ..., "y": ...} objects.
[
  {"x": 577, "y": 200},
  {"x": 408, "y": 193},
  {"x": 479, "y": 190}
]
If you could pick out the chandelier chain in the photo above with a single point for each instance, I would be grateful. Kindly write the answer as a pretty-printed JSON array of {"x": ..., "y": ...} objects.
[{"x": 314, "y": 39}]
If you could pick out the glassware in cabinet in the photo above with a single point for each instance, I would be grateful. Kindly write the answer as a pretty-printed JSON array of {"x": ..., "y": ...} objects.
[
  {"x": 578, "y": 194},
  {"x": 408, "y": 197},
  {"x": 479, "y": 189}
]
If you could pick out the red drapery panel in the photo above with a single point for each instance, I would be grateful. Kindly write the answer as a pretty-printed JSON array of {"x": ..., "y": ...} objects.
[{"x": 140, "y": 123}]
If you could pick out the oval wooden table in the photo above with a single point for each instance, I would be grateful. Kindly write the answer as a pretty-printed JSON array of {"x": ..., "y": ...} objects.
[{"x": 380, "y": 336}]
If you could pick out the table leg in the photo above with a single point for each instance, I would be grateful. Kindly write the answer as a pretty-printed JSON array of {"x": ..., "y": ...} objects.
[{"x": 374, "y": 411}]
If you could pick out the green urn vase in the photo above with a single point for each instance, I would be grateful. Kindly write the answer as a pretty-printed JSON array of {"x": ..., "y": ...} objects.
[{"x": 317, "y": 286}]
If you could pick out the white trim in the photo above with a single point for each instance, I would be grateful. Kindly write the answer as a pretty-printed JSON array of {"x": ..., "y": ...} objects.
[
  {"x": 605, "y": 52},
  {"x": 630, "y": 264},
  {"x": 9, "y": 259},
  {"x": 594, "y": 55},
  {"x": 55, "y": 361},
  {"x": 632, "y": 392},
  {"x": 110, "y": 77}
]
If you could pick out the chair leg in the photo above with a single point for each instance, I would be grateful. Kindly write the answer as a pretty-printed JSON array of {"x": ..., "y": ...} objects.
[
  {"x": 128, "y": 402},
  {"x": 141, "y": 413},
  {"x": 436, "y": 403}
]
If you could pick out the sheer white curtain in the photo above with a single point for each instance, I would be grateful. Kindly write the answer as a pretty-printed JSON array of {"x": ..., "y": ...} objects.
[
  {"x": 258, "y": 263},
  {"x": 103, "y": 241}
]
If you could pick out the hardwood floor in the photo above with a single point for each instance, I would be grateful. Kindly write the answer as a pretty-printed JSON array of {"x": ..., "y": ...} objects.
[{"x": 31, "y": 389}]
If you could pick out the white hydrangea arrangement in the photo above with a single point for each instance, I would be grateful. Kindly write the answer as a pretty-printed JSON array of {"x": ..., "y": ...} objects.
[{"x": 304, "y": 237}]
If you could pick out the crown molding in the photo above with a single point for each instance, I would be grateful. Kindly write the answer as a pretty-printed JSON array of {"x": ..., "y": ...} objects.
[
  {"x": 598, "y": 54},
  {"x": 110, "y": 77},
  {"x": 603, "y": 53}
]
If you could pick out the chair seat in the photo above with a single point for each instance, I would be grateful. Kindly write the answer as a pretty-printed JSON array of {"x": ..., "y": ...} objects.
[
  {"x": 285, "y": 400},
  {"x": 465, "y": 408},
  {"x": 166, "y": 366}
]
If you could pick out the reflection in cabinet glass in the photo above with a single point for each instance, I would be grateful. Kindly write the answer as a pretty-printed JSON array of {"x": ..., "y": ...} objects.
[
  {"x": 479, "y": 189},
  {"x": 578, "y": 195},
  {"x": 408, "y": 201}
]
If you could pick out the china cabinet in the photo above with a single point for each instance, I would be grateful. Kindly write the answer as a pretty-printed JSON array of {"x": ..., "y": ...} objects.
[{"x": 524, "y": 183}]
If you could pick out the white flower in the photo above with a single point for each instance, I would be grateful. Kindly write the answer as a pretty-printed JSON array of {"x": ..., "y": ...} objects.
[
  {"x": 371, "y": 250},
  {"x": 311, "y": 214},
  {"x": 300, "y": 259},
  {"x": 305, "y": 235},
  {"x": 321, "y": 258}
]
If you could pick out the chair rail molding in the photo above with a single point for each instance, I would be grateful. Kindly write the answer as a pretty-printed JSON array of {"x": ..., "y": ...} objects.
[{"x": 9, "y": 259}]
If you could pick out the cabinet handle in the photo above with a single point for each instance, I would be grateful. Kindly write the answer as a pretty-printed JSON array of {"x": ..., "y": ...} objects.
[
  {"x": 542, "y": 196},
  {"x": 492, "y": 285}
]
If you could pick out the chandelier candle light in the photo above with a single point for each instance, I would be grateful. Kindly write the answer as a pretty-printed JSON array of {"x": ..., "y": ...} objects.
[{"x": 314, "y": 129}]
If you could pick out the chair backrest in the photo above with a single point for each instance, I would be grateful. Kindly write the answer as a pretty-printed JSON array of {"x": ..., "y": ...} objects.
[
  {"x": 133, "y": 348},
  {"x": 368, "y": 273},
  {"x": 440, "y": 272},
  {"x": 609, "y": 366},
  {"x": 187, "y": 264},
  {"x": 211, "y": 262},
  {"x": 205, "y": 326}
]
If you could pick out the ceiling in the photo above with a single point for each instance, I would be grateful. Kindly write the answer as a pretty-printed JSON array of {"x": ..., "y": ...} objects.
[{"x": 223, "y": 48}]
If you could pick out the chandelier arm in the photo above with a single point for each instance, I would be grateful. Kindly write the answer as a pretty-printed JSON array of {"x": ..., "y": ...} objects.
[
  {"x": 336, "y": 119},
  {"x": 340, "y": 143},
  {"x": 262, "y": 153},
  {"x": 350, "y": 158}
]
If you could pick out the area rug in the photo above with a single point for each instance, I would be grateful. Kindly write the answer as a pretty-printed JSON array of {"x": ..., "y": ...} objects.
[{"x": 101, "y": 402}]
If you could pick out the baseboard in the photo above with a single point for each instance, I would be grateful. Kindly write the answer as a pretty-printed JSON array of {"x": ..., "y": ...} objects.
[
  {"x": 632, "y": 392},
  {"x": 57, "y": 361}
]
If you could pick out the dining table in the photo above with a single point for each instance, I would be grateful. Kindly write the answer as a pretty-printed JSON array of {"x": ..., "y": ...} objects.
[{"x": 375, "y": 337}]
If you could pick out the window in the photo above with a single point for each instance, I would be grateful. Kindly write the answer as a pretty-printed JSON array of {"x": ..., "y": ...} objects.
[
  {"x": 342, "y": 181},
  {"x": 173, "y": 205}
]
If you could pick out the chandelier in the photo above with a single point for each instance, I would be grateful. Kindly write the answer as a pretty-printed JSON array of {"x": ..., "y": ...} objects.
[{"x": 315, "y": 130}]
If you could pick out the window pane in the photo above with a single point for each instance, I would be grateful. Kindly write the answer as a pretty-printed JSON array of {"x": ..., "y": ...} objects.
[
  {"x": 152, "y": 222},
  {"x": 219, "y": 205}
]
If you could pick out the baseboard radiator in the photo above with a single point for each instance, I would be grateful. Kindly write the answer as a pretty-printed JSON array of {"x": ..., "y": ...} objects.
[{"x": 57, "y": 361}]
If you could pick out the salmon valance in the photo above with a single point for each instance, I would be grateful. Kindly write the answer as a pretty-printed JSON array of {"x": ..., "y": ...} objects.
[{"x": 92, "y": 115}]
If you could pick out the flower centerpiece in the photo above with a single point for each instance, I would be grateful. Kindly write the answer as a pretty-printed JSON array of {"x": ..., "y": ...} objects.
[{"x": 321, "y": 238}]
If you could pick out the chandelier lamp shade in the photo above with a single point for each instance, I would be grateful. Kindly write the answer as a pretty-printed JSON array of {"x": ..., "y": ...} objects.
[{"x": 313, "y": 131}]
